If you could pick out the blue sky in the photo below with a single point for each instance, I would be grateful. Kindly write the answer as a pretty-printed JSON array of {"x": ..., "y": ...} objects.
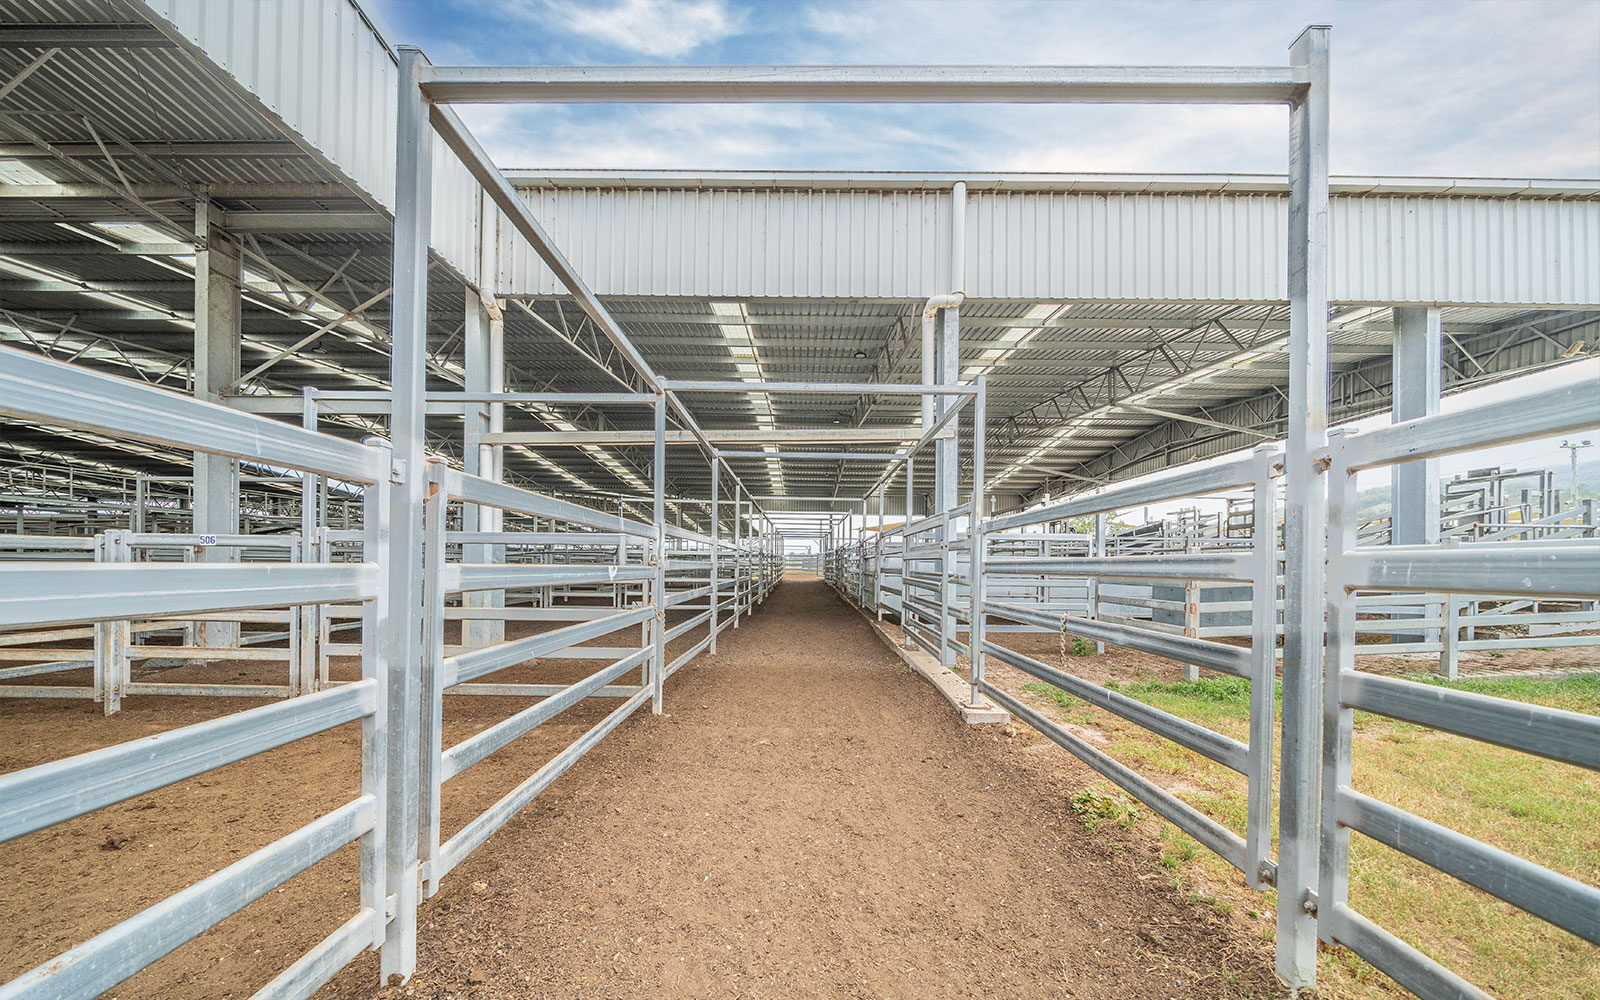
[{"x": 1501, "y": 88}]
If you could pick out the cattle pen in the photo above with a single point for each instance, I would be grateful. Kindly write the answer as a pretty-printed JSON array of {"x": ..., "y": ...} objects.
[{"x": 521, "y": 583}]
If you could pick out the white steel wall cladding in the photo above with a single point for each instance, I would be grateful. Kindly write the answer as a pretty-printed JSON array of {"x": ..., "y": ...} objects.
[
  {"x": 1032, "y": 245},
  {"x": 320, "y": 68},
  {"x": 738, "y": 243},
  {"x": 1467, "y": 250},
  {"x": 1049, "y": 245}
]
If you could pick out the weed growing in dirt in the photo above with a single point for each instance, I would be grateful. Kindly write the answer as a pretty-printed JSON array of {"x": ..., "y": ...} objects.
[
  {"x": 1094, "y": 807},
  {"x": 1074, "y": 709}
]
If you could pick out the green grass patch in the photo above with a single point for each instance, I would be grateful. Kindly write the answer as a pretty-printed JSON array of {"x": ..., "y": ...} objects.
[{"x": 1538, "y": 809}]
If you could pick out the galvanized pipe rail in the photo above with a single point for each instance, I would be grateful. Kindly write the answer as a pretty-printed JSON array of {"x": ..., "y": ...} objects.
[
  {"x": 1256, "y": 567},
  {"x": 1561, "y": 568},
  {"x": 53, "y": 593}
]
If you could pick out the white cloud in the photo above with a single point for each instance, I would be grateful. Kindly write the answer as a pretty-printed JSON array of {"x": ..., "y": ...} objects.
[
  {"x": 666, "y": 29},
  {"x": 1450, "y": 88}
]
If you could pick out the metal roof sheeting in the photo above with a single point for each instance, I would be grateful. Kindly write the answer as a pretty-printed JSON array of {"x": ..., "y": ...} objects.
[{"x": 322, "y": 70}]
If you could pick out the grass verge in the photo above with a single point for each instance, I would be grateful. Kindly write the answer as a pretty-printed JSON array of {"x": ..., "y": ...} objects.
[{"x": 1539, "y": 809}]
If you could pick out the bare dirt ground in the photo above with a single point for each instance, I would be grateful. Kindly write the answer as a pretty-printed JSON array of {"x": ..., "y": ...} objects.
[{"x": 808, "y": 819}]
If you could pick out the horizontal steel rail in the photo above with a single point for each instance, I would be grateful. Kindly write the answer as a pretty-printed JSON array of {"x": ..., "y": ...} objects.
[
  {"x": 819, "y": 388},
  {"x": 475, "y": 748},
  {"x": 1228, "y": 752},
  {"x": 1494, "y": 568},
  {"x": 863, "y": 84},
  {"x": 503, "y": 576},
  {"x": 479, "y": 829},
  {"x": 1196, "y": 482},
  {"x": 33, "y": 388},
  {"x": 41, "y": 796},
  {"x": 108, "y": 958},
  {"x": 1223, "y": 658},
  {"x": 1565, "y": 410},
  {"x": 478, "y": 662},
  {"x": 1218, "y": 838},
  {"x": 1554, "y": 897},
  {"x": 1205, "y": 566},
  {"x": 488, "y": 493},
  {"x": 63, "y": 593},
  {"x": 1570, "y": 737}
]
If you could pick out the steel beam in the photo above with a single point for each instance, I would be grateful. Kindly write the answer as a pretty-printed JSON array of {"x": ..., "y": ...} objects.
[{"x": 864, "y": 84}]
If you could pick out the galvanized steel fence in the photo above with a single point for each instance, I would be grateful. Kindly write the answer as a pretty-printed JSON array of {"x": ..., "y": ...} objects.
[
  {"x": 301, "y": 594},
  {"x": 1066, "y": 582}
]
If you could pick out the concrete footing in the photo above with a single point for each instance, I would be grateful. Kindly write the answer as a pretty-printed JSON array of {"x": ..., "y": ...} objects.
[{"x": 951, "y": 685}]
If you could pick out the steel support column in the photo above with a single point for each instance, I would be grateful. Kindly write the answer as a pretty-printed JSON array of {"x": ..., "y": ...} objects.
[
  {"x": 946, "y": 466},
  {"x": 1416, "y": 385},
  {"x": 483, "y": 340},
  {"x": 408, "y": 328},
  {"x": 1305, "y": 514},
  {"x": 716, "y": 547},
  {"x": 217, "y": 338},
  {"x": 658, "y": 635}
]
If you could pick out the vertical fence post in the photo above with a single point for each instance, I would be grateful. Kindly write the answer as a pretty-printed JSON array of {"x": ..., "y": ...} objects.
[
  {"x": 1191, "y": 611},
  {"x": 738, "y": 553},
  {"x": 1450, "y": 634},
  {"x": 430, "y": 719},
  {"x": 716, "y": 545},
  {"x": 975, "y": 534},
  {"x": 1304, "y": 513},
  {"x": 375, "y": 729},
  {"x": 877, "y": 555},
  {"x": 1258, "y": 869},
  {"x": 310, "y": 614},
  {"x": 1097, "y": 547},
  {"x": 408, "y": 327},
  {"x": 905, "y": 546},
  {"x": 658, "y": 635},
  {"x": 1334, "y": 862}
]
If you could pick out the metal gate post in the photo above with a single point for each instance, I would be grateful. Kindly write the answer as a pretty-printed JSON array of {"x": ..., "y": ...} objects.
[
  {"x": 408, "y": 328},
  {"x": 1305, "y": 514},
  {"x": 658, "y": 635},
  {"x": 1097, "y": 547},
  {"x": 1259, "y": 871},
  {"x": 716, "y": 546},
  {"x": 976, "y": 587},
  {"x": 905, "y": 546},
  {"x": 738, "y": 553},
  {"x": 877, "y": 559}
]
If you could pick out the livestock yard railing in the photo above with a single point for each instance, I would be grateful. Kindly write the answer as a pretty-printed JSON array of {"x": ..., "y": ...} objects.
[
  {"x": 580, "y": 575},
  {"x": 1178, "y": 598},
  {"x": 1527, "y": 570},
  {"x": 455, "y": 669},
  {"x": 1255, "y": 567},
  {"x": 48, "y": 594}
]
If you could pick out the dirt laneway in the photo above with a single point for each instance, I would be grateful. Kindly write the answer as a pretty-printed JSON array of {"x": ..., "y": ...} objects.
[{"x": 809, "y": 819}]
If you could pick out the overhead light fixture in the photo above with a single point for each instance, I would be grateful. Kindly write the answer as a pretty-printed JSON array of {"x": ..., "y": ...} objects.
[
  {"x": 862, "y": 355},
  {"x": 836, "y": 420}
]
